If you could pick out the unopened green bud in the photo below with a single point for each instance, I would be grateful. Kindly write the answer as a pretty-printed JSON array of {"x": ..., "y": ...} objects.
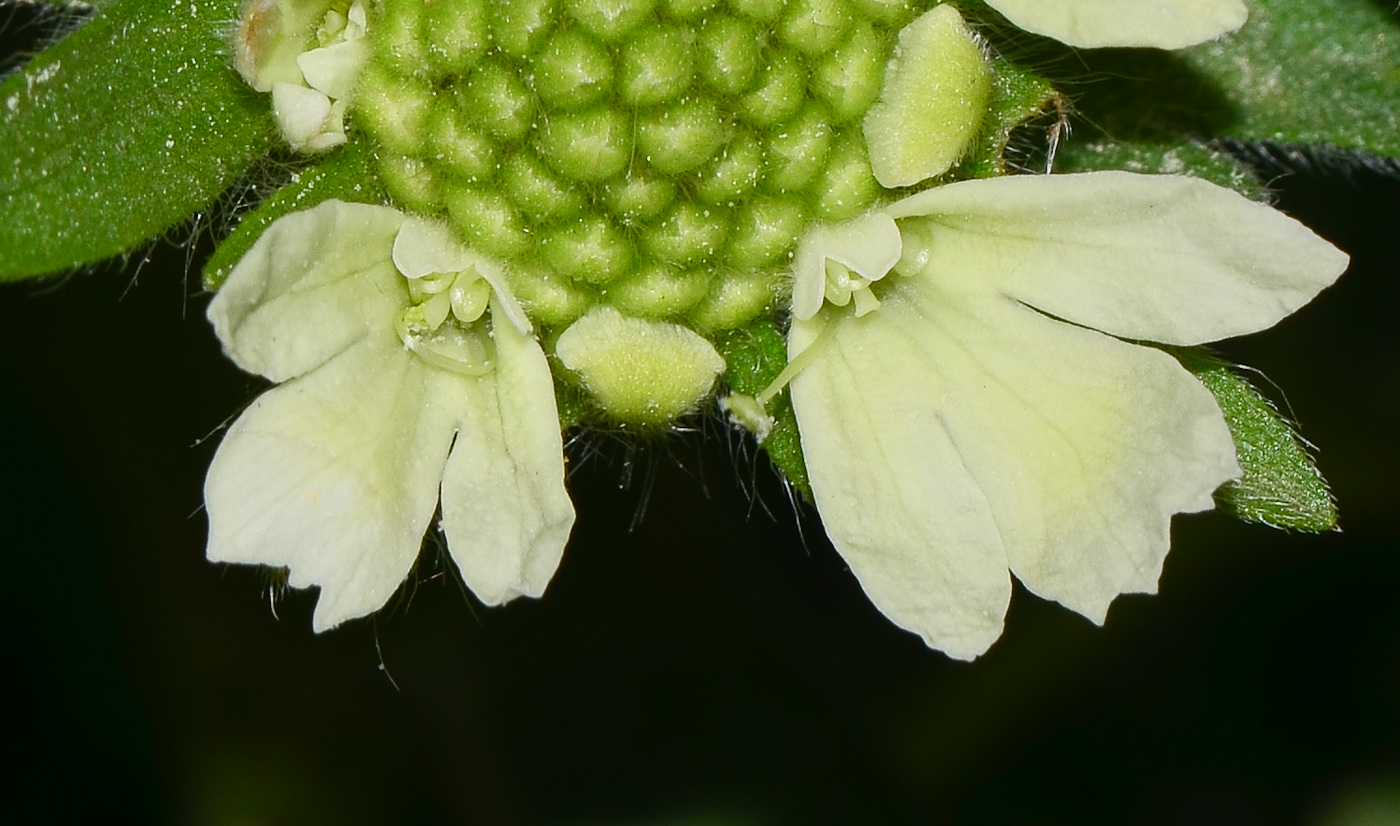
[
  {"x": 590, "y": 146},
  {"x": 572, "y": 70},
  {"x": 799, "y": 150},
  {"x": 517, "y": 26},
  {"x": 681, "y": 138},
  {"x": 782, "y": 89},
  {"x": 488, "y": 222},
  {"x": 610, "y": 20},
  {"x": 458, "y": 33},
  {"x": 736, "y": 299},
  {"x": 532, "y": 188},
  {"x": 657, "y": 66},
  {"x": 767, "y": 230},
  {"x": 689, "y": 234},
  {"x": 729, "y": 54},
  {"x": 498, "y": 102},
  {"x": 646, "y": 372},
  {"x": 660, "y": 291},
  {"x": 589, "y": 249}
]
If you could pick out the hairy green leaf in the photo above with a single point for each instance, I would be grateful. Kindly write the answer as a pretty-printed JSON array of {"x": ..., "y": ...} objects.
[
  {"x": 1311, "y": 71},
  {"x": 1182, "y": 156},
  {"x": 1281, "y": 485},
  {"x": 1299, "y": 71},
  {"x": 119, "y": 132}
]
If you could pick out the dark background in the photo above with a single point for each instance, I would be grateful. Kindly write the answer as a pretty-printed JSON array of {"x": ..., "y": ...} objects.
[{"x": 703, "y": 656}]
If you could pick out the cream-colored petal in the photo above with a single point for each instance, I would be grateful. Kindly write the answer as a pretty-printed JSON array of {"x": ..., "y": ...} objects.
[
  {"x": 425, "y": 247},
  {"x": 334, "y": 69},
  {"x": 335, "y": 476},
  {"x": 1150, "y": 257},
  {"x": 1084, "y": 445},
  {"x": 870, "y": 246},
  {"x": 505, "y": 511},
  {"x": 506, "y": 305},
  {"x": 1161, "y": 24},
  {"x": 894, "y": 494},
  {"x": 315, "y": 283},
  {"x": 950, "y": 434},
  {"x": 308, "y": 120},
  {"x": 269, "y": 37}
]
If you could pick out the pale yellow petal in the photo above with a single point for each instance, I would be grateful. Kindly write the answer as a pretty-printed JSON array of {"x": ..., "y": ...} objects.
[
  {"x": 425, "y": 247},
  {"x": 316, "y": 282},
  {"x": 308, "y": 120},
  {"x": 949, "y": 435},
  {"x": 505, "y": 510},
  {"x": 1148, "y": 257},
  {"x": 1162, "y": 24},
  {"x": 335, "y": 474},
  {"x": 1084, "y": 445},
  {"x": 334, "y": 69},
  {"x": 893, "y": 492}
]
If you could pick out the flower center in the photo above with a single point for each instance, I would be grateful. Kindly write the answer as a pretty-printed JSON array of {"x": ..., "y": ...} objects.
[{"x": 443, "y": 323}]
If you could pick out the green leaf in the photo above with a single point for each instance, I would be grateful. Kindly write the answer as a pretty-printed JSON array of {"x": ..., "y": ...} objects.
[
  {"x": 755, "y": 355},
  {"x": 1281, "y": 486},
  {"x": 120, "y": 131},
  {"x": 1311, "y": 71},
  {"x": 1300, "y": 71},
  {"x": 348, "y": 174},
  {"x": 1164, "y": 157}
]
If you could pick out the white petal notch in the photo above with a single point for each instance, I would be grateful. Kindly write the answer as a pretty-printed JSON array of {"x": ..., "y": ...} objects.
[
  {"x": 335, "y": 473},
  {"x": 1157, "y": 24},
  {"x": 989, "y": 417}
]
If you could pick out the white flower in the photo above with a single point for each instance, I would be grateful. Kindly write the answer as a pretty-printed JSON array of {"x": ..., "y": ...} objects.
[
  {"x": 308, "y": 54},
  {"x": 396, "y": 383},
  {"x": 1161, "y": 24},
  {"x": 990, "y": 412}
]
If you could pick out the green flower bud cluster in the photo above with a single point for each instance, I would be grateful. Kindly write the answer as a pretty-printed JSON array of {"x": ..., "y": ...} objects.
[{"x": 659, "y": 156}]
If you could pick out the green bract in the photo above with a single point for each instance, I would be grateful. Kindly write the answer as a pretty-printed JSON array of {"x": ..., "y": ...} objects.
[{"x": 519, "y": 215}]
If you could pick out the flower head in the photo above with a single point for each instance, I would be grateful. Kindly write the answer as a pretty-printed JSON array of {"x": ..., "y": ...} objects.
[
  {"x": 969, "y": 390},
  {"x": 398, "y": 388},
  {"x": 992, "y": 410}
]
